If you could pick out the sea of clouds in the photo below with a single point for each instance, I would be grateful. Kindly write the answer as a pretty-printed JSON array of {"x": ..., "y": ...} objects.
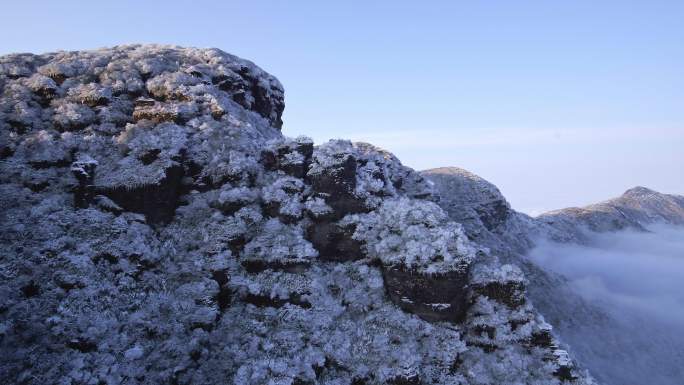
[{"x": 637, "y": 279}]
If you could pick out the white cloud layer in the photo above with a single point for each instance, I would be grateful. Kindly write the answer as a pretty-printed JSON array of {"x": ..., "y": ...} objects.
[{"x": 638, "y": 278}]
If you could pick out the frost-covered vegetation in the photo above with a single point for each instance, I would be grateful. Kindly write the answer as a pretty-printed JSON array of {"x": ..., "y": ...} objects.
[
  {"x": 156, "y": 227},
  {"x": 413, "y": 233}
]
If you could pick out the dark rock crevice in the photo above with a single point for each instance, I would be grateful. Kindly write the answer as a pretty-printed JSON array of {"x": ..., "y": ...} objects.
[
  {"x": 432, "y": 297},
  {"x": 157, "y": 202},
  {"x": 334, "y": 241}
]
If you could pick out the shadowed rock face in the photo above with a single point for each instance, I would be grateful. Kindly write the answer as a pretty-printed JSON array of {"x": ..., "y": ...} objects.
[
  {"x": 510, "y": 294},
  {"x": 337, "y": 181},
  {"x": 432, "y": 297},
  {"x": 84, "y": 172},
  {"x": 157, "y": 201},
  {"x": 335, "y": 242}
]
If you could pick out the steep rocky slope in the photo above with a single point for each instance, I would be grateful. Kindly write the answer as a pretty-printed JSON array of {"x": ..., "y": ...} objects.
[
  {"x": 156, "y": 227},
  {"x": 489, "y": 220},
  {"x": 484, "y": 212},
  {"x": 595, "y": 337}
]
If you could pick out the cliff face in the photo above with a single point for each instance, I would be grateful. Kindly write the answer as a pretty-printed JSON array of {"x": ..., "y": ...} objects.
[
  {"x": 156, "y": 227},
  {"x": 597, "y": 339}
]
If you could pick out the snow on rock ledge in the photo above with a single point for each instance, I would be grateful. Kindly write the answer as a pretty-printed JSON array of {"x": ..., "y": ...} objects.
[{"x": 425, "y": 259}]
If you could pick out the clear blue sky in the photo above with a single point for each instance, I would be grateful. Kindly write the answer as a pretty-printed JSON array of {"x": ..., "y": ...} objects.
[{"x": 558, "y": 103}]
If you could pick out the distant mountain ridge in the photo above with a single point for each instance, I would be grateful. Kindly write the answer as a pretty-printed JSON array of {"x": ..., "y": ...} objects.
[
  {"x": 636, "y": 208},
  {"x": 479, "y": 204}
]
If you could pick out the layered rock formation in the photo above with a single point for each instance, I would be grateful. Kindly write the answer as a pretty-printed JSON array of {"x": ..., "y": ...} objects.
[{"x": 156, "y": 227}]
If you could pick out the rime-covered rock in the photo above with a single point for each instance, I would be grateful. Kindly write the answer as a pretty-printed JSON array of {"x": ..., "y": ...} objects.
[
  {"x": 505, "y": 284},
  {"x": 158, "y": 228},
  {"x": 336, "y": 241},
  {"x": 500, "y": 322},
  {"x": 470, "y": 198},
  {"x": 333, "y": 175}
]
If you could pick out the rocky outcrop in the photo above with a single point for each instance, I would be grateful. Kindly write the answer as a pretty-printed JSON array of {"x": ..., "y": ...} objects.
[
  {"x": 505, "y": 285},
  {"x": 500, "y": 320},
  {"x": 471, "y": 200},
  {"x": 432, "y": 297},
  {"x": 486, "y": 216},
  {"x": 158, "y": 228},
  {"x": 139, "y": 94}
]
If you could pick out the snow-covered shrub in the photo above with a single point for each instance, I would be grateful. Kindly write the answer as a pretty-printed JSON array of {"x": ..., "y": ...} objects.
[
  {"x": 232, "y": 199},
  {"x": 284, "y": 198},
  {"x": 72, "y": 116},
  {"x": 91, "y": 94},
  {"x": 412, "y": 233},
  {"x": 281, "y": 243},
  {"x": 171, "y": 85},
  {"x": 166, "y": 140}
]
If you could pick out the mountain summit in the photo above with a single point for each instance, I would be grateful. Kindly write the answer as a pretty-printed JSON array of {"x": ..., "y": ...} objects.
[
  {"x": 635, "y": 208},
  {"x": 157, "y": 227}
]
